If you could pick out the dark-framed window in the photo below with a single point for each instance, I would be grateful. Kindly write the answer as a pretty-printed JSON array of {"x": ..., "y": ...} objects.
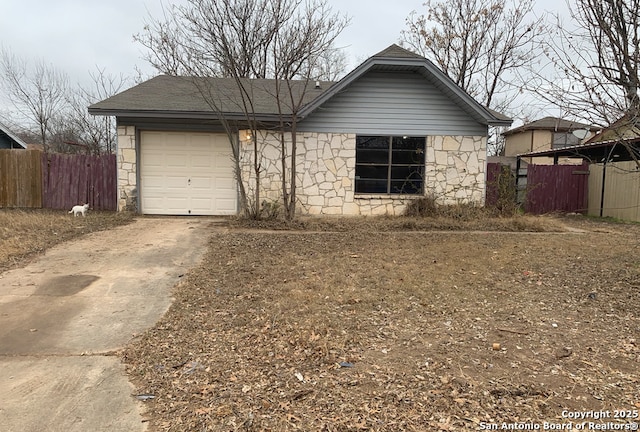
[
  {"x": 564, "y": 139},
  {"x": 390, "y": 164}
]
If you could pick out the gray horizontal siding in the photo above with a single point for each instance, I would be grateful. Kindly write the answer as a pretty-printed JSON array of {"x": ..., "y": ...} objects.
[{"x": 392, "y": 103}]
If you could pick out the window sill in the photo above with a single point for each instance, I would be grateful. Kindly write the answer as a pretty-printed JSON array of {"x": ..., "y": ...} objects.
[{"x": 386, "y": 196}]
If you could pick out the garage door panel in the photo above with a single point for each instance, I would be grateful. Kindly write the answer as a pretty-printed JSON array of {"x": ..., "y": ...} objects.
[
  {"x": 223, "y": 161},
  {"x": 153, "y": 182},
  {"x": 177, "y": 160},
  {"x": 152, "y": 204},
  {"x": 176, "y": 202},
  {"x": 201, "y": 204},
  {"x": 226, "y": 206},
  {"x": 173, "y": 140},
  {"x": 202, "y": 184},
  {"x": 179, "y": 182},
  {"x": 225, "y": 183},
  {"x": 203, "y": 162},
  {"x": 154, "y": 160},
  {"x": 186, "y": 173}
]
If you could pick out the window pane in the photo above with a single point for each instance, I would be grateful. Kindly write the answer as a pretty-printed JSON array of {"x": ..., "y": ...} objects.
[
  {"x": 372, "y": 142},
  {"x": 406, "y": 186},
  {"x": 408, "y": 156},
  {"x": 372, "y": 156},
  {"x": 380, "y": 172},
  {"x": 414, "y": 172},
  {"x": 561, "y": 139},
  {"x": 408, "y": 143}
]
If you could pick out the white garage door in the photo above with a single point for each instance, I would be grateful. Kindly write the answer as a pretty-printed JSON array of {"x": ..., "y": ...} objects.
[{"x": 186, "y": 173}]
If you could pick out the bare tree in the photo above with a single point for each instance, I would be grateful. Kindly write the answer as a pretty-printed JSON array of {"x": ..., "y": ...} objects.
[
  {"x": 38, "y": 95},
  {"x": 591, "y": 71},
  {"x": 278, "y": 39},
  {"x": 95, "y": 133},
  {"x": 477, "y": 43},
  {"x": 592, "y": 67},
  {"x": 331, "y": 65}
]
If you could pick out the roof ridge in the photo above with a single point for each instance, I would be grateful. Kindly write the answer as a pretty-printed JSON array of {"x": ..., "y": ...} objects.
[{"x": 396, "y": 51}]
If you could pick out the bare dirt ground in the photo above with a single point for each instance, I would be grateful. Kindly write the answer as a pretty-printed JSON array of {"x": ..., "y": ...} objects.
[
  {"x": 27, "y": 233},
  {"x": 372, "y": 328}
]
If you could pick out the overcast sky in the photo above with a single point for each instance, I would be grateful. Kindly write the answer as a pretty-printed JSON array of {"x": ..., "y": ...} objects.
[{"x": 76, "y": 36}]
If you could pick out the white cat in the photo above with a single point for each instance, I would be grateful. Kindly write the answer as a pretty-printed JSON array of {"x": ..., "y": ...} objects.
[{"x": 79, "y": 209}]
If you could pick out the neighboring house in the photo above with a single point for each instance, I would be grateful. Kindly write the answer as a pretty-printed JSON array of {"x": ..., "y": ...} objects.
[
  {"x": 10, "y": 141},
  {"x": 394, "y": 129},
  {"x": 548, "y": 133},
  {"x": 623, "y": 129}
]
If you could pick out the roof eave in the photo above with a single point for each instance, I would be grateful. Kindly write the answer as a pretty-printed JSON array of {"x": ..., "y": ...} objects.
[
  {"x": 13, "y": 136},
  {"x": 500, "y": 122},
  {"x": 172, "y": 114}
]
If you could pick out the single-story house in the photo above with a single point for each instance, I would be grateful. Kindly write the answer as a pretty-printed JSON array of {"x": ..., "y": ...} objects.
[
  {"x": 9, "y": 140},
  {"x": 394, "y": 129}
]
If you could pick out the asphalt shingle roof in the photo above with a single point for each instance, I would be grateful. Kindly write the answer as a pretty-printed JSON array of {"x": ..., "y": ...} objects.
[
  {"x": 166, "y": 93},
  {"x": 203, "y": 97},
  {"x": 395, "y": 51}
]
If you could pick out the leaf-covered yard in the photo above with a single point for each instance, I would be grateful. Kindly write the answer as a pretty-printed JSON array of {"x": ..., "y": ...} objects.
[{"x": 388, "y": 331}]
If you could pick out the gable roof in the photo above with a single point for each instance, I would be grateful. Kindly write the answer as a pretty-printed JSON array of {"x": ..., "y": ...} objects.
[
  {"x": 396, "y": 58},
  {"x": 555, "y": 124},
  {"x": 182, "y": 97},
  {"x": 4, "y": 131}
]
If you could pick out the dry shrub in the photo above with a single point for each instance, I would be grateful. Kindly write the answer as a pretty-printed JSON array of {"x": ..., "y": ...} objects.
[
  {"x": 26, "y": 232},
  {"x": 428, "y": 207},
  {"x": 422, "y": 207},
  {"x": 502, "y": 193},
  {"x": 454, "y": 218}
]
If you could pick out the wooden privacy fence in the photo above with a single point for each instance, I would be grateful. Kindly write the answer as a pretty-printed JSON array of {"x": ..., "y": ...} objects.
[
  {"x": 57, "y": 181},
  {"x": 20, "y": 178},
  {"x": 557, "y": 188}
]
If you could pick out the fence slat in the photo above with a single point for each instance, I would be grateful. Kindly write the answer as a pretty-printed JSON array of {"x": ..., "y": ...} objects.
[
  {"x": 57, "y": 181},
  {"x": 557, "y": 188},
  {"x": 20, "y": 178}
]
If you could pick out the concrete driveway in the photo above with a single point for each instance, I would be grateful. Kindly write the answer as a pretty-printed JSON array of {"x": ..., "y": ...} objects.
[{"x": 63, "y": 316}]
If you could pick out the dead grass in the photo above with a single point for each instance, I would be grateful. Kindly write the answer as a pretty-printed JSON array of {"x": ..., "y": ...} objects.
[
  {"x": 26, "y": 233},
  {"x": 363, "y": 328},
  {"x": 451, "y": 220}
]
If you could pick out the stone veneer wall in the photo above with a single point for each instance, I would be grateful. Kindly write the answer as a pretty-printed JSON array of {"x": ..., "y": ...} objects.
[
  {"x": 127, "y": 169},
  {"x": 454, "y": 173}
]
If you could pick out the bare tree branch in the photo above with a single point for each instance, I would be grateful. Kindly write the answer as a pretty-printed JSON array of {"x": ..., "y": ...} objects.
[
  {"x": 477, "y": 43},
  {"x": 38, "y": 95},
  {"x": 278, "y": 39}
]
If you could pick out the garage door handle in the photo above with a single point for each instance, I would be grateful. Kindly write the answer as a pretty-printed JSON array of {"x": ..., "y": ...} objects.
[{"x": 189, "y": 182}]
